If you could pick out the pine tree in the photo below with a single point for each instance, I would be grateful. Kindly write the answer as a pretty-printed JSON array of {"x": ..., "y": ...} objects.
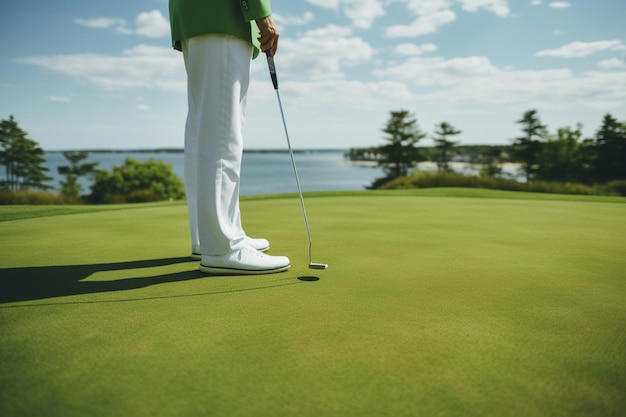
[
  {"x": 610, "y": 150},
  {"x": 443, "y": 145},
  {"x": 22, "y": 159},
  {"x": 526, "y": 148},
  {"x": 71, "y": 187},
  {"x": 400, "y": 154}
]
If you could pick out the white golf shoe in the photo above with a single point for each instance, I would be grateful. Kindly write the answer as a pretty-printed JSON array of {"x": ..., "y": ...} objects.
[
  {"x": 262, "y": 245},
  {"x": 244, "y": 261}
]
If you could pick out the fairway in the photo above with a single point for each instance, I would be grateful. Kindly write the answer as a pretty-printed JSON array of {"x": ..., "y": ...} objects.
[{"x": 435, "y": 303}]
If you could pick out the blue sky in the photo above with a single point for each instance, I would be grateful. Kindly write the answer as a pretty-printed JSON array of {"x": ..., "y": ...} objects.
[{"x": 80, "y": 74}]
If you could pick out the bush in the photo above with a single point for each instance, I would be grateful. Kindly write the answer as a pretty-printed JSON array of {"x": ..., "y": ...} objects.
[
  {"x": 8, "y": 197},
  {"x": 152, "y": 180},
  {"x": 565, "y": 188},
  {"x": 136, "y": 196},
  {"x": 452, "y": 179},
  {"x": 618, "y": 187},
  {"x": 449, "y": 179},
  {"x": 143, "y": 196}
]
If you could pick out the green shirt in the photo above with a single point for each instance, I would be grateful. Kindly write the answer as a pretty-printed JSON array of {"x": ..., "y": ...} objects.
[{"x": 236, "y": 18}]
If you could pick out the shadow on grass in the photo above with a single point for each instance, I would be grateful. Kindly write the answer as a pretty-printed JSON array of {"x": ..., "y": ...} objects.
[{"x": 43, "y": 282}]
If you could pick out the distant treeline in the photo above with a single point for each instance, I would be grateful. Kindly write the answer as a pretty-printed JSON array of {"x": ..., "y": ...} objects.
[
  {"x": 181, "y": 150},
  {"x": 464, "y": 153},
  {"x": 563, "y": 156}
]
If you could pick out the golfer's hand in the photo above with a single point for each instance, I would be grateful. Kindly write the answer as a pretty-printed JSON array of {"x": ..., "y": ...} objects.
[{"x": 269, "y": 35}]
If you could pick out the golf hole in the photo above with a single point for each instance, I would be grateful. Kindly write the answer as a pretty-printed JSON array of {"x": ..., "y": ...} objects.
[{"x": 309, "y": 278}]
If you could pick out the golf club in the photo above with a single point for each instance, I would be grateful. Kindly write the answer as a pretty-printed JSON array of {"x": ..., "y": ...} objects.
[{"x": 272, "y": 68}]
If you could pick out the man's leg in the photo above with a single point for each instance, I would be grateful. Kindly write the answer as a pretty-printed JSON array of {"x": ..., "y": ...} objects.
[
  {"x": 218, "y": 70},
  {"x": 191, "y": 189}
]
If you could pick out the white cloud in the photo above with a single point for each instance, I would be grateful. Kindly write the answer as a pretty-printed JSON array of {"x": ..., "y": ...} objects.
[
  {"x": 143, "y": 66},
  {"x": 101, "y": 23},
  {"x": 498, "y": 7},
  {"x": 323, "y": 113},
  {"x": 582, "y": 49},
  {"x": 60, "y": 99},
  {"x": 340, "y": 94},
  {"x": 429, "y": 7},
  {"x": 411, "y": 49},
  {"x": 553, "y": 5},
  {"x": 438, "y": 71},
  {"x": 612, "y": 63},
  {"x": 293, "y": 20},
  {"x": 361, "y": 13},
  {"x": 142, "y": 107},
  {"x": 329, "y": 50},
  {"x": 148, "y": 24},
  {"x": 337, "y": 47},
  {"x": 469, "y": 92},
  {"x": 559, "y": 5},
  {"x": 152, "y": 25},
  {"x": 429, "y": 16},
  {"x": 326, "y": 4},
  {"x": 422, "y": 25},
  {"x": 426, "y": 7},
  {"x": 477, "y": 82}
]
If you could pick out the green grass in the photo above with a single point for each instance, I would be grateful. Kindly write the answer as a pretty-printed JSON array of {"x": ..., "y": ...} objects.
[
  {"x": 436, "y": 303},
  {"x": 27, "y": 211},
  {"x": 16, "y": 212}
]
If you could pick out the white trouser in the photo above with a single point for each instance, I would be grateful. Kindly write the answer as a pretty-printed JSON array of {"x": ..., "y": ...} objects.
[{"x": 218, "y": 74}]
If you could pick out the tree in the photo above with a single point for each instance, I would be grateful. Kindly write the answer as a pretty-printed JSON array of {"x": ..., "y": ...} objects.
[
  {"x": 526, "y": 148},
  {"x": 71, "y": 187},
  {"x": 561, "y": 158},
  {"x": 491, "y": 160},
  {"x": 610, "y": 150},
  {"x": 443, "y": 145},
  {"x": 152, "y": 180},
  {"x": 400, "y": 154},
  {"x": 22, "y": 159}
]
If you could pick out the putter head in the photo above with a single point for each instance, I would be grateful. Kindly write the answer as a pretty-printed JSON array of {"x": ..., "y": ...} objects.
[{"x": 313, "y": 265}]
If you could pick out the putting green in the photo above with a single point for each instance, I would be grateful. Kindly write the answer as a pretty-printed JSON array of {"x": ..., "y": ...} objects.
[{"x": 432, "y": 305}]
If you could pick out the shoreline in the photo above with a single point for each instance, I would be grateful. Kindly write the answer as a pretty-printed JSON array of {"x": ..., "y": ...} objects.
[
  {"x": 181, "y": 150},
  {"x": 433, "y": 165}
]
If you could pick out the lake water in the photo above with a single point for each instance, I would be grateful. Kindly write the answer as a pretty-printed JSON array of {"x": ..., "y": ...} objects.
[
  {"x": 265, "y": 172},
  {"x": 261, "y": 172}
]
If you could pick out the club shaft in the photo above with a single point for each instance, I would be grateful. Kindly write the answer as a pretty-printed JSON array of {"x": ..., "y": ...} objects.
[{"x": 295, "y": 172}]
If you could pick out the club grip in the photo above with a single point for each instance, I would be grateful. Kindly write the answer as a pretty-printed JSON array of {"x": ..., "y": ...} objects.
[{"x": 272, "y": 68}]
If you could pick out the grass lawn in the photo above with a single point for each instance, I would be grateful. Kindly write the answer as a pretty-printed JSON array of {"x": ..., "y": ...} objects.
[{"x": 435, "y": 303}]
